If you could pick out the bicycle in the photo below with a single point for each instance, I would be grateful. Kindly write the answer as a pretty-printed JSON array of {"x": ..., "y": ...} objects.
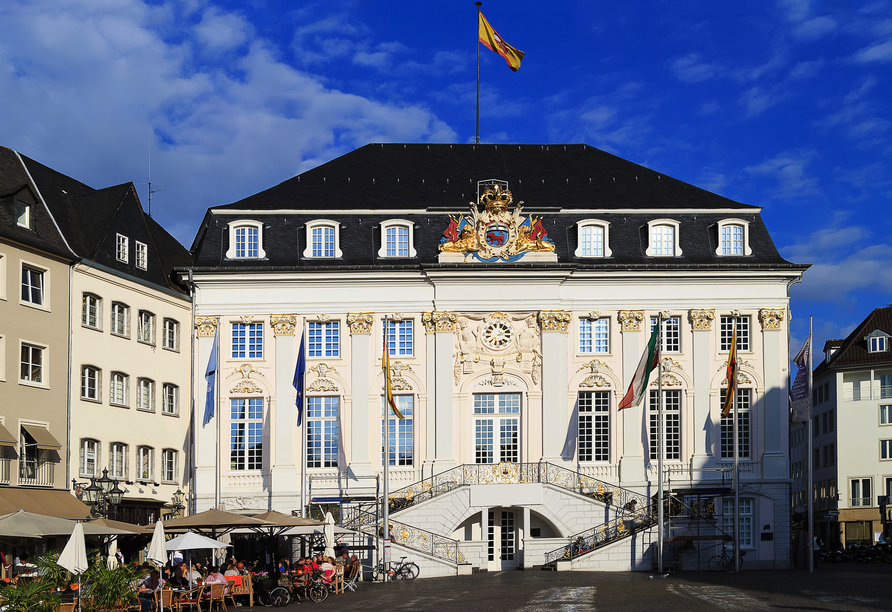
[
  {"x": 270, "y": 595},
  {"x": 404, "y": 570},
  {"x": 725, "y": 561},
  {"x": 310, "y": 587}
]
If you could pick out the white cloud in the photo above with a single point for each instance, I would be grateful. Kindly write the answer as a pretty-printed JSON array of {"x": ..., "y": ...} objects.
[
  {"x": 222, "y": 31},
  {"x": 878, "y": 52},
  {"x": 814, "y": 28},
  {"x": 757, "y": 100},
  {"x": 691, "y": 69},
  {"x": 789, "y": 170},
  {"x": 807, "y": 69}
]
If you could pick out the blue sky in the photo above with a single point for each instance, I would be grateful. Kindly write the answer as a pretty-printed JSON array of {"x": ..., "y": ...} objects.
[{"x": 782, "y": 104}]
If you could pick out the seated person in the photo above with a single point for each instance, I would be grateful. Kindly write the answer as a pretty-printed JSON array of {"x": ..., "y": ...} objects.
[
  {"x": 229, "y": 570},
  {"x": 25, "y": 569},
  {"x": 147, "y": 590},
  {"x": 214, "y": 576}
]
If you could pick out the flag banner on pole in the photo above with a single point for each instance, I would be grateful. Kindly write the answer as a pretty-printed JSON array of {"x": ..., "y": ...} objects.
[
  {"x": 298, "y": 381},
  {"x": 649, "y": 361},
  {"x": 388, "y": 393},
  {"x": 210, "y": 375},
  {"x": 731, "y": 372},
  {"x": 489, "y": 37},
  {"x": 800, "y": 394}
]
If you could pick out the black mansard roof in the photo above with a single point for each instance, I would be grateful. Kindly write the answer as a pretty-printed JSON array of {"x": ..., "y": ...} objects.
[{"x": 421, "y": 183}]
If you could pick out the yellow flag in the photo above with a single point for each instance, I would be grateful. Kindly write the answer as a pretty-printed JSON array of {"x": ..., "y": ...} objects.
[
  {"x": 489, "y": 37},
  {"x": 388, "y": 393},
  {"x": 731, "y": 372}
]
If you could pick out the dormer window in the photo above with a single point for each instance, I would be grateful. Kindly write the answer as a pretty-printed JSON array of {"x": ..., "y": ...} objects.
[
  {"x": 877, "y": 342},
  {"x": 245, "y": 240},
  {"x": 122, "y": 248},
  {"x": 323, "y": 237},
  {"x": 734, "y": 238},
  {"x": 23, "y": 214},
  {"x": 593, "y": 239},
  {"x": 397, "y": 239},
  {"x": 663, "y": 235}
]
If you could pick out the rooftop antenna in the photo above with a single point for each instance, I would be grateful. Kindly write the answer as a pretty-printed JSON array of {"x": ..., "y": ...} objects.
[{"x": 150, "y": 179}]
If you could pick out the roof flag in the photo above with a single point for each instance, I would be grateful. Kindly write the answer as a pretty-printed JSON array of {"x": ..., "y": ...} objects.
[
  {"x": 489, "y": 37},
  {"x": 210, "y": 375},
  {"x": 731, "y": 372},
  {"x": 388, "y": 393},
  {"x": 649, "y": 361}
]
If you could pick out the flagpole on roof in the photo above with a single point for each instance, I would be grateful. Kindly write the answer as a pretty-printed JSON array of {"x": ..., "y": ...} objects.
[
  {"x": 477, "y": 36},
  {"x": 660, "y": 448}
]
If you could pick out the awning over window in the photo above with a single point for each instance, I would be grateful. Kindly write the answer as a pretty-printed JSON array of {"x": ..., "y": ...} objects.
[
  {"x": 60, "y": 504},
  {"x": 6, "y": 437},
  {"x": 42, "y": 436}
]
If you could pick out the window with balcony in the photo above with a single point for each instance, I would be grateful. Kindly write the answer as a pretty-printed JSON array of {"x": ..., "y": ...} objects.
[
  {"x": 246, "y": 434},
  {"x": 322, "y": 431},
  {"x": 594, "y": 425}
]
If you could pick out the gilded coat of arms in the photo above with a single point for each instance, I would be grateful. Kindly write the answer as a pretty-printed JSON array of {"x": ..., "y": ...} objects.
[{"x": 498, "y": 232}]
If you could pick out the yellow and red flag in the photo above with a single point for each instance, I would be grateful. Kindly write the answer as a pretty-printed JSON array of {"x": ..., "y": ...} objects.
[
  {"x": 731, "y": 372},
  {"x": 388, "y": 393},
  {"x": 489, "y": 37}
]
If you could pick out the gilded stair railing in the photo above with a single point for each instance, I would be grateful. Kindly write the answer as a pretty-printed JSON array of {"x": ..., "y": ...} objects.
[
  {"x": 505, "y": 473},
  {"x": 409, "y": 536},
  {"x": 617, "y": 528}
]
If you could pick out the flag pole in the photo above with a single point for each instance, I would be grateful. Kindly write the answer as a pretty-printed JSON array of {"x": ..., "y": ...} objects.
[
  {"x": 660, "y": 447},
  {"x": 477, "y": 137},
  {"x": 217, "y": 380},
  {"x": 732, "y": 388},
  {"x": 303, "y": 429},
  {"x": 385, "y": 510},
  {"x": 809, "y": 546}
]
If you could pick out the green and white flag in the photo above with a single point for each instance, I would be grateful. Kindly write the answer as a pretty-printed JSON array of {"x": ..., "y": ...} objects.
[{"x": 649, "y": 361}]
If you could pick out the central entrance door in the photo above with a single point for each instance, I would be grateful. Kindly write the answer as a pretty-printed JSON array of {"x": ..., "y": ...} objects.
[{"x": 502, "y": 539}]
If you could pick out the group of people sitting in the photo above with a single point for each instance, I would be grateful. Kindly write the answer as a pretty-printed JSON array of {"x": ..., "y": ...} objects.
[
  {"x": 182, "y": 576},
  {"x": 326, "y": 565}
]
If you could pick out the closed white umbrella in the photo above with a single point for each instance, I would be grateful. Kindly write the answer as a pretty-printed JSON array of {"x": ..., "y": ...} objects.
[
  {"x": 74, "y": 555},
  {"x": 158, "y": 554},
  {"x": 329, "y": 535}
]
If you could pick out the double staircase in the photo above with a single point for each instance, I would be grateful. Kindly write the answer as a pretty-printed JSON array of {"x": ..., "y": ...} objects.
[{"x": 633, "y": 511}]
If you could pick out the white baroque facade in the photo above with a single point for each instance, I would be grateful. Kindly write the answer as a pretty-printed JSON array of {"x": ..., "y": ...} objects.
[{"x": 512, "y": 335}]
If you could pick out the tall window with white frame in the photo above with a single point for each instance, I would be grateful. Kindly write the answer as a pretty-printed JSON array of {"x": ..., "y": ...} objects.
[
  {"x": 726, "y": 329},
  {"x": 397, "y": 238},
  {"x": 246, "y": 434},
  {"x": 90, "y": 383},
  {"x": 145, "y": 463},
  {"x": 89, "y": 458},
  {"x": 323, "y": 339},
  {"x": 662, "y": 239},
  {"x": 171, "y": 335},
  {"x": 32, "y": 364},
  {"x": 594, "y": 335},
  {"x": 117, "y": 393},
  {"x": 170, "y": 402},
  {"x": 91, "y": 312},
  {"x": 323, "y": 241},
  {"x": 399, "y": 449},
  {"x": 169, "y": 466},
  {"x": 122, "y": 248},
  {"x": 247, "y": 340},
  {"x": 732, "y": 240},
  {"x": 745, "y": 516},
  {"x": 592, "y": 241},
  {"x": 399, "y": 339},
  {"x": 671, "y": 424},
  {"x": 23, "y": 214},
  {"x": 322, "y": 431},
  {"x": 120, "y": 319},
  {"x": 142, "y": 256},
  {"x": 744, "y": 399},
  {"x": 594, "y": 425},
  {"x": 146, "y": 327},
  {"x": 670, "y": 334},
  {"x": 496, "y": 427},
  {"x": 145, "y": 395},
  {"x": 117, "y": 461},
  {"x": 885, "y": 449},
  {"x": 862, "y": 491},
  {"x": 32, "y": 286},
  {"x": 246, "y": 242}
]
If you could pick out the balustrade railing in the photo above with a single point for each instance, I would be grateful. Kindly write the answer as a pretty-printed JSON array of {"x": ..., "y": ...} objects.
[
  {"x": 615, "y": 529},
  {"x": 35, "y": 472},
  {"x": 405, "y": 535}
]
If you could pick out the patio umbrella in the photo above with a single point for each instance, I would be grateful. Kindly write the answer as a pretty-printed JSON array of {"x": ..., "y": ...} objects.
[
  {"x": 277, "y": 522},
  {"x": 74, "y": 555},
  {"x": 23, "y": 524},
  {"x": 329, "y": 535},
  {"x": 217, "y": 522},
  {"x": 193, "y": 541},
  {"x": 158, "y": 554}
]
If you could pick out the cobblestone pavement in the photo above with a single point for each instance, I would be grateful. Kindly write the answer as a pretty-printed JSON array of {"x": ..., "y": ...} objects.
[{"x": 831, "y": 588}]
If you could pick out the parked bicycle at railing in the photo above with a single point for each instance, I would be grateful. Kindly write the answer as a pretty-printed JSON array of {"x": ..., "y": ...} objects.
[
  {"x": 404, "y": 570},
  {"x": 725, "y": 561},
  {"x": 310, "y": 586}
]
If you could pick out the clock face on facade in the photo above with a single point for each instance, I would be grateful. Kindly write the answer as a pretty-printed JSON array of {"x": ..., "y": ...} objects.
[{"x": 497, "y": 335}]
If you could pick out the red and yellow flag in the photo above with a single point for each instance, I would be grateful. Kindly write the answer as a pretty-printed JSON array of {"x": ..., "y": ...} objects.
[
  {"x": 388, "y": 393},
  {"x": 489, "y": 37},
  {"x": 731, "y": 372}
]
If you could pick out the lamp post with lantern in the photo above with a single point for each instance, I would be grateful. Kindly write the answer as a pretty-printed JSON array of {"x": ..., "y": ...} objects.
[{"x": 102, "y": 495}]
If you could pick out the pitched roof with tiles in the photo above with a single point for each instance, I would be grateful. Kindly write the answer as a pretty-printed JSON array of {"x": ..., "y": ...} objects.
[{"x": 853, "y": 352}]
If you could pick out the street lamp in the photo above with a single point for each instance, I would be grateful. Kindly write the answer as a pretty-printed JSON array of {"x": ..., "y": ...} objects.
[{"x": 102, "y": 494}]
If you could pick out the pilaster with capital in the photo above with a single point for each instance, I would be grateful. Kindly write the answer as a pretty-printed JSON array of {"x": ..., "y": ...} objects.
[
  {"x": 438, "y": 321},
  {"x": 701, "y": 347},
  {"x": 285, "y": 437},
  {"x": 555, "y": 320},
  {"x": 631, "y": 461},
  {"x": 206, "y": 326},
  {"x": 555, "y": 409},
  {"x": 283, "y": 324},
  {"x": 360, "y": 322},
  {"x": 630, "y": 320},
  {"x": 701, "y": 318},
  {"x": 771, "y": 318},
  {"x": 776, "y": 358}
]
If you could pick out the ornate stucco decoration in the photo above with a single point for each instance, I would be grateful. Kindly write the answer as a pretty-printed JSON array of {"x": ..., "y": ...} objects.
[
  {"x": 360, "y": 322},
  {"x": 631, "y": 320},
  {"x": 321, "y": 318},
  {"x": 397, "y": 382},
  {"x": 246, "y": 386},
  {"x": 771, "y": 318},
  {"x": 246, "y": 319},
  {"x": 502, "y": 382},
  {"x": 246, "y": 503},
  {"x": 283, "y": 324},
  {"x": 497, "y": 232},
  {"x": 555, "y": 320},
  {"x": 322, "y": 370},
  {"x": 669, "y": 380},
  {"x": 701, "y": 318},
  {"x": 594, "y": 315},
  {"x": 438, "y": 321},
  {"x": 742, "y": 379},
  {"x": 511, "y": 337},
  {"x": 322, "y": 385},
  {"x": 594, "y": 366},
  {"x": 595, "y": 380},
  {"x": 206, "y": 326},
  {"x": 668, "y": 364}
]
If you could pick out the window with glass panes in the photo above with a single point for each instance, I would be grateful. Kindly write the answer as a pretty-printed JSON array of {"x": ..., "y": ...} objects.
[
  {"x": 145, "y": 394},
  {"x": 594, "y": 425},
  {"x": 322, "y": 431},
  {"x": 496, "y": 427},
  {"x": 171, "y": 335},
  {"x": 861, "y": 490},
  {"x": 398, "y": 336},
  {"x": 32, "y": 286},
  {"x": 146, "y": 328},
  {"x": 592, "y": 241},
  {"x": 246, "y": 433},
  {"x": 323, "y": 339},
  {"x": 732, "y": 240},
  {"x": 145, "y": 463},
  {"x": 744, "y": 397},
  {"x": 397, "y": 237},
  {"x": 671, "y": 424},
  {"x": 594, "y": 335},
  {"x": 886, "y": 414},
  {"x": 89, "y": 458},
  {"x": 726, "y": 329},
  {"x": 246, "y": 242},
  {"x": 398, "y": 433},
  {"x": 168, "y": 465},
  {"x": 89, "y": 383},
  {"x": 670, "y": 334},
  {"x": 90, "y": 314},
  {"x": 142, "y": 256},
  {"x": 117, "y": 461},
  {"x": 745, "y": 518},
  {"x": 323, "y": 241},
  {"x": 32, "y": 364},
  {"x": 170, "y": 398},
  {"x": 662, "y": 239},
  {"x": 118, "y": 389},
  {"x": 247, "y": 340},
  {"x": 120, "y": 319},
  {"x": 122, "y": 246}
]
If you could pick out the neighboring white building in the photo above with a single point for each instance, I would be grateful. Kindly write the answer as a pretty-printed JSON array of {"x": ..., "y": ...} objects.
[
  {"x": 852, "y": 432},
  {"x": 513, "y": 332}
]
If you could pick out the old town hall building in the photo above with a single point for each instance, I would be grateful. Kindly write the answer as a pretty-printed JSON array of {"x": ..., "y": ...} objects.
[{"x": 514, "y": 288}]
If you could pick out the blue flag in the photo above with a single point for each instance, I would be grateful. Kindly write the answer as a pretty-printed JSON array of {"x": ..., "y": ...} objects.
[
  {"x": 299, "y": 381},
  {"x": 210, "y": 375}
]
